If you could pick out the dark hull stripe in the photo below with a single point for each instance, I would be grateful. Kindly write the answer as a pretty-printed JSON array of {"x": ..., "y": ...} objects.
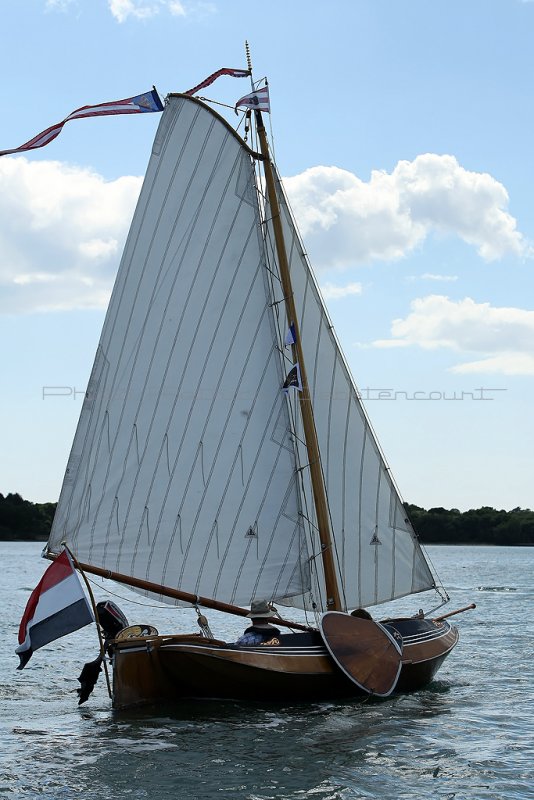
[{"x": 66, "y": 621}]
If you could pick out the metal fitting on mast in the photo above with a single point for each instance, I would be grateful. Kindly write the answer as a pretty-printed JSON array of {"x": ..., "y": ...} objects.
[{"x": 249, "y": 63}]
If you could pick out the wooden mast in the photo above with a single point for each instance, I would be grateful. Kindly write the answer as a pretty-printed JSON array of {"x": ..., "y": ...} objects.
[{"x": 333, "y": 599}]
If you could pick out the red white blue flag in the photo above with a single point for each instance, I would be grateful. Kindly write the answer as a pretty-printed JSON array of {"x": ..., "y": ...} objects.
[
  {"x": 258, "y": 100},
  {"x": 234, "y": 73},
  {"x": 57, "y": 606},
  {"x": 139, "y": 104}
]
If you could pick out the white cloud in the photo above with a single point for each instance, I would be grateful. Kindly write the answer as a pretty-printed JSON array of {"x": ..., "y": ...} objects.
[
  {"x": 62, "y": 230},
  {"x": 332, "y": 292},
  {"x": 176, "y": 8},
  {"x": 59, "y": 5},
  {"x": 122, "y": 9},
  {"x": 98, "y": 249},
  {"x": 429, "y": 276},
  {"x": 34, "y": 277},
  {"x": 141, "y": 9},
  {"x": 505, "y": 364},
  {"x": 70, "y": 223},
  {"x": 346, "y": 220},
  {"x": 504, "y": 336}
]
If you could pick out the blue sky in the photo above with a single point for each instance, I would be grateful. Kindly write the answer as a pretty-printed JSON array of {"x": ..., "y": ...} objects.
[{"x": 403, "y": 129}]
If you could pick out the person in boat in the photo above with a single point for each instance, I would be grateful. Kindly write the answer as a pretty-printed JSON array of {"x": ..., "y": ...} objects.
[
  {"x": 261, "y": 631},
  {"x": 361, "y": 613}
]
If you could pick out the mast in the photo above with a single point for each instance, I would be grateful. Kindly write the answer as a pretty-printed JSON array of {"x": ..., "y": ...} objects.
[{"x": 333, "y": 599}]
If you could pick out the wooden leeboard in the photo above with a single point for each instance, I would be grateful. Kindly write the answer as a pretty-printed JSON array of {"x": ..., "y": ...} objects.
[{"x": 363, "y": 650}]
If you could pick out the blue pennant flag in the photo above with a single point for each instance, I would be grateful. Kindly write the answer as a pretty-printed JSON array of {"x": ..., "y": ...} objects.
[
  {"x": 291, "y": 337},
  {"x": 140, "y": 104}
]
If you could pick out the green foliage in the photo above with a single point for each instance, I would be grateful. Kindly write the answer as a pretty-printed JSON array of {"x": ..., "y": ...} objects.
[
  {"x": 477, "y": 526},
  {"x": 20, "y": 519}
]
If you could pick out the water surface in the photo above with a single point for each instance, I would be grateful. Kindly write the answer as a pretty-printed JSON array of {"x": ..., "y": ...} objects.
[{"x": 469, "y": 735}]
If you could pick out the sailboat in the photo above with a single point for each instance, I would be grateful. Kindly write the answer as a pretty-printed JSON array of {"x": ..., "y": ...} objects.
[{"x": 223, "y": 455}]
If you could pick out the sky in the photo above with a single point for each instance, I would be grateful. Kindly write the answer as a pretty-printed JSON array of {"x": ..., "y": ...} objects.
[{"x": 403, "y": 130}]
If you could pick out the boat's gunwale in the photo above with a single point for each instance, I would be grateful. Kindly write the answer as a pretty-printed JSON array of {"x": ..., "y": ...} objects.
[{"x": 196, "y": 640}]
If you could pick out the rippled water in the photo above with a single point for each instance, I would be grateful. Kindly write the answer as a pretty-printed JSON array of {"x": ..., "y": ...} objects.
[{"x": 468, "y": 736}]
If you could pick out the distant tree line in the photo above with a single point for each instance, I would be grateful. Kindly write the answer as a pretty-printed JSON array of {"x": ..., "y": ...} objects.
[
  {"x": 484, "y": 525},
  {"x": 22, "y": 520}
]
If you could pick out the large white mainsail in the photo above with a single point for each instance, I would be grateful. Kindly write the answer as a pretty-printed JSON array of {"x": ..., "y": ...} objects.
[
  {"x": 378, "y": 555},
  {"x": 182, "y": 470}
]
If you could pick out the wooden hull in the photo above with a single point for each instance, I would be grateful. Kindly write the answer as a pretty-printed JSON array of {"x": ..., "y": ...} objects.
[{"x": 157, "y": 669}]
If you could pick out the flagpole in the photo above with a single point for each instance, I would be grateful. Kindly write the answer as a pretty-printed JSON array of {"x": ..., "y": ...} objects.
[
  {"x": 95, "y": 612},
  {"x": 249, "y": 63}
]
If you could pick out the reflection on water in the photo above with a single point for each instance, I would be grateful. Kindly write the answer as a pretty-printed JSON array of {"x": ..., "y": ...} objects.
[
  {"x": 245, "y": 750},
  {"x": 456, "y": 739},
  {"x": 260, "y": 752}
]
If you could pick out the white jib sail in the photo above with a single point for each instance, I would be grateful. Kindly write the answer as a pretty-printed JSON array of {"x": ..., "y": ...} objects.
[
  {"x": 377, "y": 553},
  {"x": 182, "y": 470}
]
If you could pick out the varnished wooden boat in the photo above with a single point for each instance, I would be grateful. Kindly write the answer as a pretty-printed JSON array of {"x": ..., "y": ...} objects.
[{"x": 155, "y": 669}]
